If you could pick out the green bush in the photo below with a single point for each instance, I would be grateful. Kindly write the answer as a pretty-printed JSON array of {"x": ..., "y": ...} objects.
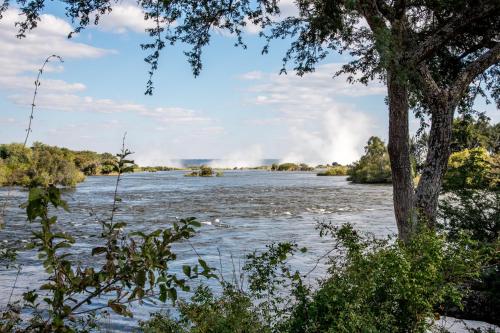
[
  {"x": 386, "y": 286},
  {"x": 477, "y": 211},
  {"x": 232, "y": 312},
  {"x": 42, "y": 165},
  {"x": 470, "y": 168},
  {"x": 203, "y": 172},
  {"x": 338, "y": 170},
  {"x": 206, "y": 171},
  {"x": 288, "y": 167},
  {"x": 374, "y": 166},
  {"x": 371, "y": 286}
]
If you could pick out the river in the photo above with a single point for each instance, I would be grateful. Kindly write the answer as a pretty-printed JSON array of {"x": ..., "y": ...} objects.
[{"x": 240, "y": 212}]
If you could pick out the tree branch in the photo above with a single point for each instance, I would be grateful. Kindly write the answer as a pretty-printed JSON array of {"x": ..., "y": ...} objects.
[
  {"x": 429, "y": 85},
  {"x": 450, "y": 30},
  {"x": 469, "y": 73},
  {"x": 374, "y": 17}
]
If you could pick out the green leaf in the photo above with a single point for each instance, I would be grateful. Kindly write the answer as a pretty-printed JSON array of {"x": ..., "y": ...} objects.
[{"x": 187, "y": 270}]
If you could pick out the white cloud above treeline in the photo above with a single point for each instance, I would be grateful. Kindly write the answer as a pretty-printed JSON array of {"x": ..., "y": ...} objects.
[{"x": 323, "y": 125}]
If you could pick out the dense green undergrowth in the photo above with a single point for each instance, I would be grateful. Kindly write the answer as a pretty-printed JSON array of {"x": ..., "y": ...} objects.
[{"x": 371, "y": 286}]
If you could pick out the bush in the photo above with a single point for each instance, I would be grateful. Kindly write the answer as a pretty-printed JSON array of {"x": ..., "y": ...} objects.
[
  {"x": 374, "y": 166},
  {"x": 203, "y": 172},
  {"x": 288, "y": 167},
  {"x": 371, "y": 286},
  {"x": 232, "y": 312},
  {"x": 206, "y": 171},
  {"x": 338, "y": 170},
  {"x": 470, "y": 168},
  {"x": 471, "y": 203},
  {"x": 386, "y": 287}
]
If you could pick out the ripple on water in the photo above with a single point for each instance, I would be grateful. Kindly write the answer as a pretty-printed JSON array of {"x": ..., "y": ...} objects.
[{"x": 240, "y": 212}]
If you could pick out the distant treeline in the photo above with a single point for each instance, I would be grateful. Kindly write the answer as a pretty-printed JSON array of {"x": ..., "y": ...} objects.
[{"x": 43, "y": 164}]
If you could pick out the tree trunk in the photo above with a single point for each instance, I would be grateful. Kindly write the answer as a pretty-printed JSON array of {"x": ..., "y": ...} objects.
[
  {"x": 399, "y": 153},
  {"x": 431, "y": 179}
]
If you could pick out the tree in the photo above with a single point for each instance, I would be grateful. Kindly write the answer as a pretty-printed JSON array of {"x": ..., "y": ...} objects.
[
  {"x": 469, "y": 133},
  {"x": 374, "y": 166},
  {"x": 428, "y": 52}
]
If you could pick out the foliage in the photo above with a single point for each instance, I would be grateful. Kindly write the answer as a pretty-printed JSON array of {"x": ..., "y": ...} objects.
[
  {"x": 469, "y": 132},
  {"x": 471, "y": 168},
  {"x": 204, "y": 171},
  {"x": 471, "y": 203},
  {"x": 374, "y": 166},
  {"x": 126, "y": 268},
  {"x": 231, "y": 312},
  {"x": 288, "y": 167},
  {"x": 477, "y": 212},
  {"x": 291, "y": 167},
  {"x": 338, "y": 170},
  {"x": 157, "y": 168},
  {"x": 386, "y": 286},
  {"x": 42, "y": 165},
  {"x": 371, "y": 286}
]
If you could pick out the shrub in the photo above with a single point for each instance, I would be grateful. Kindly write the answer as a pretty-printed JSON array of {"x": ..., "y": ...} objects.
[
  {"x": 374, "y": 166},
  {"x": 382, "y": 286},
  {"x": 305, "y": 167},
  {"x": 4, "y": 173},
  {"x": 371, "y": 286},
  {"x": 232, "y": 312},
  {"x": 288, "y": 167},
  {"x": 338, "y": 170},
  {"x": 469, "y": 168},
  {"x": 206, "y": 171},
  {"x": 471, "y": 203}
]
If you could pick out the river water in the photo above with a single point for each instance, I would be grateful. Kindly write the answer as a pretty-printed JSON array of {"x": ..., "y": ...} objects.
[{"x": 240, "y": 212}]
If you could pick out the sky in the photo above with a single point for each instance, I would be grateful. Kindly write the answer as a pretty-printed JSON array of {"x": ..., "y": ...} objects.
[{"x": 239, "y": 109}]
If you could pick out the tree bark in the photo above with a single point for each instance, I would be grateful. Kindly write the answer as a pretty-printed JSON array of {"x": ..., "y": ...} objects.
[
  {"x": 431, "y": 179},
  {"x": 399, "y": 154}
]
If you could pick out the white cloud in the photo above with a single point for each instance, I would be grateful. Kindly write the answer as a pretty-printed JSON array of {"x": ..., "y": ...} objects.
[
  {"x": 320, "y": 127},
  {"x": 50, "y": 37},
  {"x": 253, "y": 75},
  {"x": 319, "y": 87},
  {"x": 76, "y": 103},
  {"x": 123, "y": 18},
  {"x": 20, "y": 57},
  {"x": 340, "y": 136},
  {"x": 288, "y": 8}
]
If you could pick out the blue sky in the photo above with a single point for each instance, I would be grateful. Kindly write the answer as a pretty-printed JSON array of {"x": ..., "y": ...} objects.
[{"x": 239, "y": 109}]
